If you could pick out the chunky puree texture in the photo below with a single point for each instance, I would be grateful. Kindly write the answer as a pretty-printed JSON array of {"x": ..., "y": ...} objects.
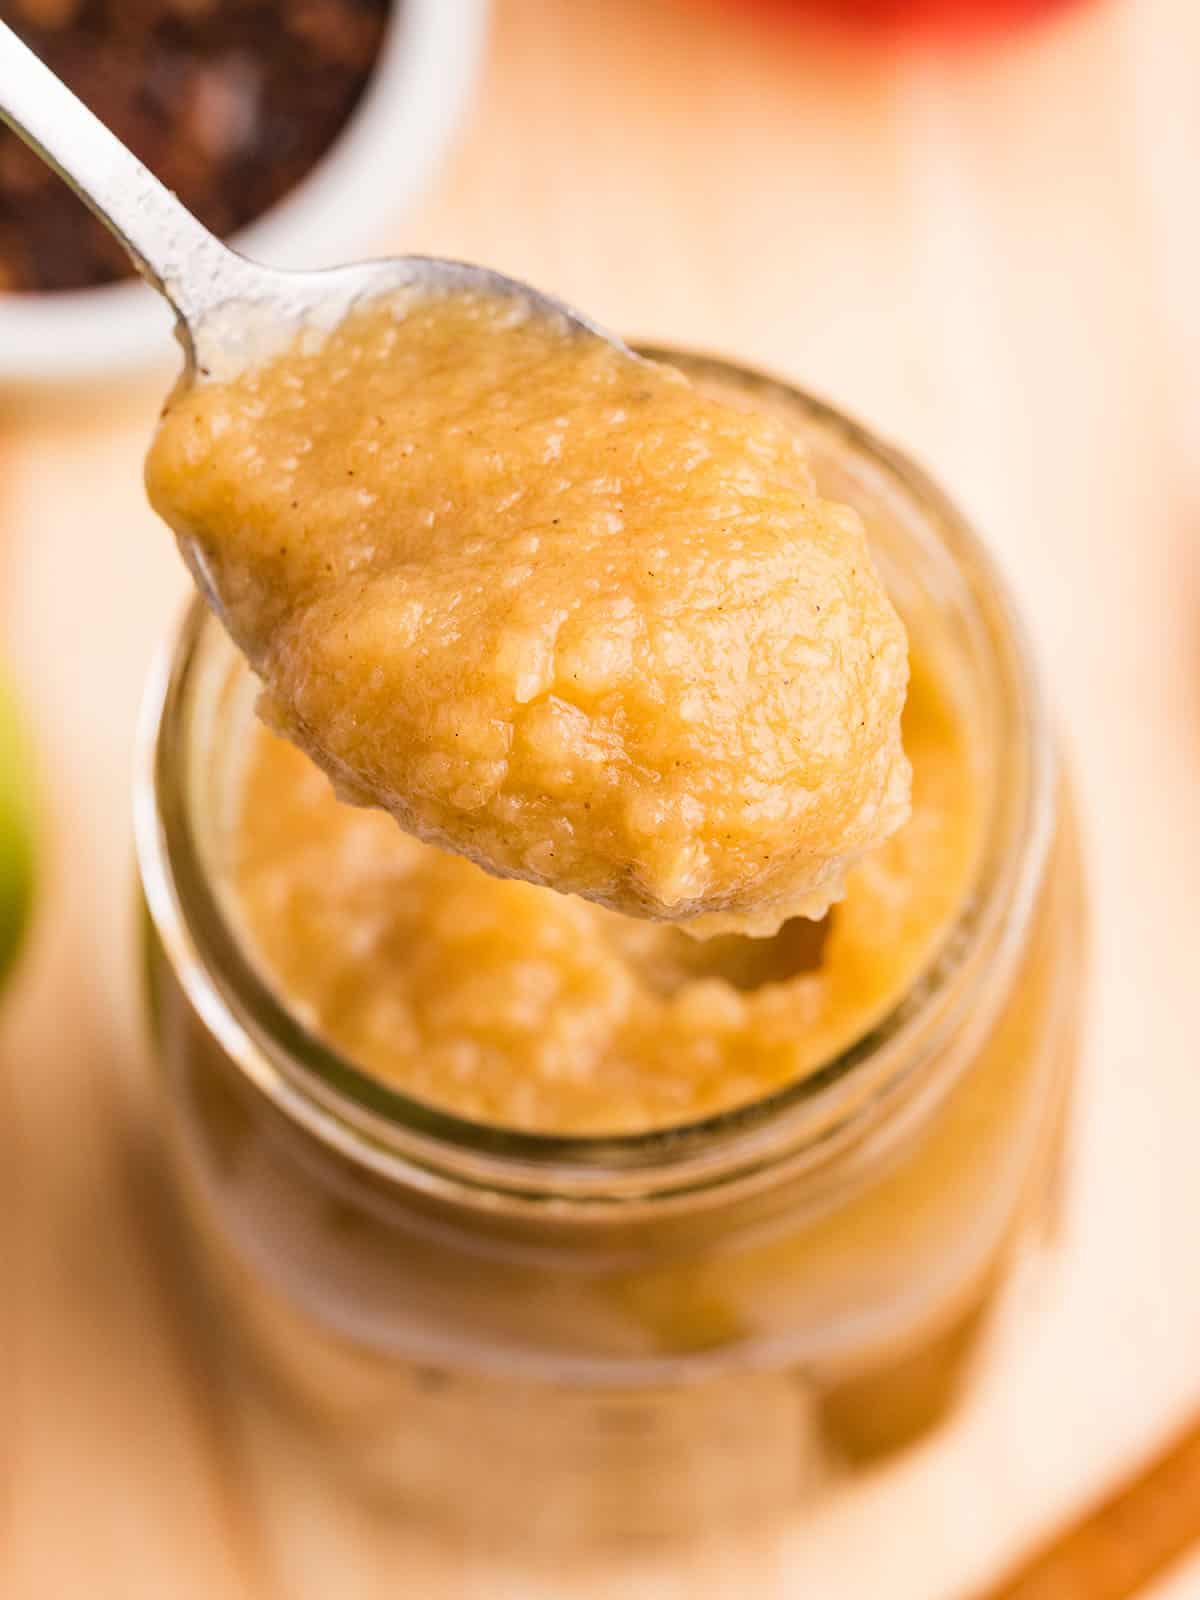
[
  {"x": 556, "y": 611},
  {"x": 510, "y": 1004}
]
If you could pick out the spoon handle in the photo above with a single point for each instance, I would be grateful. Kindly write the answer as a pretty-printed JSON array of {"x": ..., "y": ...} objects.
[{"x": 169, "y": 247}]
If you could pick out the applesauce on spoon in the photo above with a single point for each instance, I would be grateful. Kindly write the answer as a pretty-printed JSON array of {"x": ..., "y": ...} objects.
[{"x": 550, "y": 607}]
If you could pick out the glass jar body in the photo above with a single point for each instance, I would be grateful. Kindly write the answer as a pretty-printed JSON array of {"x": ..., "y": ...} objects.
[
  {"x": 674, "y": 1354},
  {"x": 715, "y": 1368}
]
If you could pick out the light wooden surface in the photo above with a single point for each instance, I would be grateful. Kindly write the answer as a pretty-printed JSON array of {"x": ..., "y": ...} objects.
[{"x": 995, "y": 259}]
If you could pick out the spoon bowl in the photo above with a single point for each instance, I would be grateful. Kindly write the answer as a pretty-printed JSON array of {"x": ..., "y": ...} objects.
[{"x": 245, "y": 313}]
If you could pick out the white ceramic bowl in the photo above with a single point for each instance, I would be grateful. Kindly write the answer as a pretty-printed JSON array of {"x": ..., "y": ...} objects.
[{"x": 370, "y": 176}]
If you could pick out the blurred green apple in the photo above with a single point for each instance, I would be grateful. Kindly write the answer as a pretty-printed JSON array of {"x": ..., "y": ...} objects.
[{"x": 16, "y": 830}]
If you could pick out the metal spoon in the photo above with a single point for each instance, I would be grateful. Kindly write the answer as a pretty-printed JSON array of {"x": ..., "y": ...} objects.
[{"x": 229, "y": 311}]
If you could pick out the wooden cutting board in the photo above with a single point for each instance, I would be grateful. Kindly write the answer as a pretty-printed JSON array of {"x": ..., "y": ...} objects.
[{"x": 994, "y": 258}]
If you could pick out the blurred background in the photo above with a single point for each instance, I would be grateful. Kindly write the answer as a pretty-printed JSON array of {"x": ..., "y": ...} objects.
[{"x": 974, "y": 224}]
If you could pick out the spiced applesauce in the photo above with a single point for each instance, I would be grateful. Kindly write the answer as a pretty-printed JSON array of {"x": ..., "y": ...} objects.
[
  {"x": 554, "y": 610},
  {"x": 687, "y": 1320}
]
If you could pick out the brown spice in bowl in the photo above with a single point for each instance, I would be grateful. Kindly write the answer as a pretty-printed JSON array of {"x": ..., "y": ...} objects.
[{"x": 230, "y": 102}]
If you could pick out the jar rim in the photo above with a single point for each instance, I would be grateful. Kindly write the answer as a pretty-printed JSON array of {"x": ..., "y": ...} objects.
[{"x": 401, "y": 1137}]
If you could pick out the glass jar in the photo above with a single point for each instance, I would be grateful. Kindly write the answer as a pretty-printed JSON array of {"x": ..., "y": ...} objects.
[{"x": 605, "y": 1337}]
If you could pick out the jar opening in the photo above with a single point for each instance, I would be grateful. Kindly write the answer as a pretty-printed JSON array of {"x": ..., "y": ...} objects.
[{"x": 392, "y": 1132}]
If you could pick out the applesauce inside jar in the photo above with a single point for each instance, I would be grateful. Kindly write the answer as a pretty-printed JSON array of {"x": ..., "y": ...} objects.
[{"x": 510, "y": 1004}]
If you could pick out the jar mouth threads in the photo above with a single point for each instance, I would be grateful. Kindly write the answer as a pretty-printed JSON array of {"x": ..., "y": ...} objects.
[{"x": 802, "y": 1122}]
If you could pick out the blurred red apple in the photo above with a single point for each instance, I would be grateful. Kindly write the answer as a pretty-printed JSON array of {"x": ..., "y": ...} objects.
[{"x": 898, "y": 16}]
